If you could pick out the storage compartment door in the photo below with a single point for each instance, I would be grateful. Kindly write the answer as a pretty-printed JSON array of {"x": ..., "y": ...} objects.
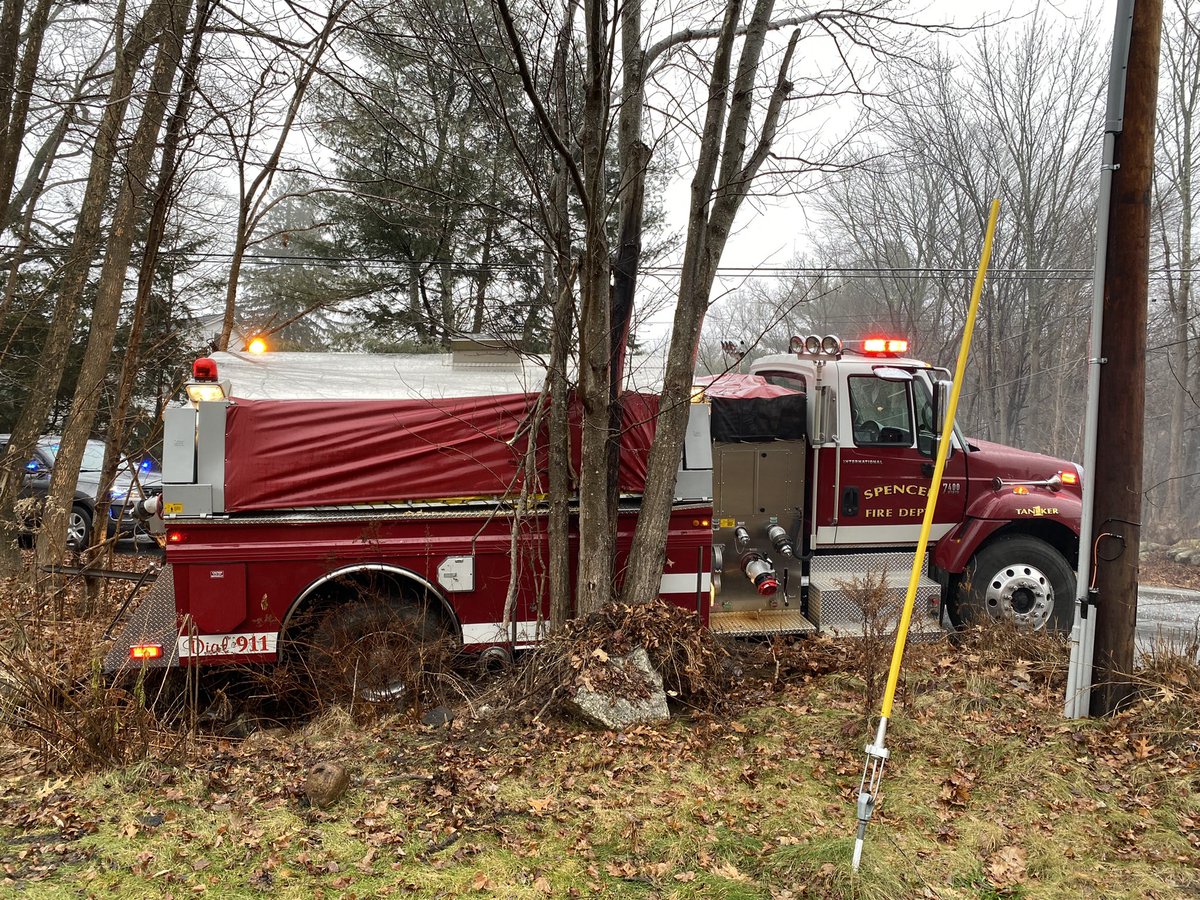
[{"x": 217, "y": 596}]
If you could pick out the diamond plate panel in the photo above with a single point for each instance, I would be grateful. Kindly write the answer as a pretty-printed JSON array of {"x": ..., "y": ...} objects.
[
  {"x": 834, "y": 607},
  {"x": 153, "y": 621},
  {"x": 761, "y": 621},
  {"x": 921, "y": 630},
  {"x": 843, "y": 567}
]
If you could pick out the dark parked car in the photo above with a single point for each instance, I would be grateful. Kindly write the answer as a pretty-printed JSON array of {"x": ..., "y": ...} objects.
[{"x": 132, "y": 478}]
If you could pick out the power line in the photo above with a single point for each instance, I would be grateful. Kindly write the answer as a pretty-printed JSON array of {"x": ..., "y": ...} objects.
[{"x": 831, "y": 271}]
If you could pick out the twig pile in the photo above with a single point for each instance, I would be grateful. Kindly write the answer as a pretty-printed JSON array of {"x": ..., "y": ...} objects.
[{"x": 692, "y": 664}]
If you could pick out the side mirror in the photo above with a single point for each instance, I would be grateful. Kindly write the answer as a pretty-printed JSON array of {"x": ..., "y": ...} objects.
[{"x": 941, "y": 404}]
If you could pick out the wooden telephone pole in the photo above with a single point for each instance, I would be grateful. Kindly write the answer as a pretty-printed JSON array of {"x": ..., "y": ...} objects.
[{"x": 1116, "y": 533}]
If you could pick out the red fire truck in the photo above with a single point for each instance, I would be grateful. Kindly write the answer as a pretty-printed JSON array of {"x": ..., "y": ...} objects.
[{"x": 284, "y": 518}]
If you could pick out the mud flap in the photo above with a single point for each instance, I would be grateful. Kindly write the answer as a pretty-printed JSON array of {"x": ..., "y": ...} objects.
[{"x": 154, "y": 621}]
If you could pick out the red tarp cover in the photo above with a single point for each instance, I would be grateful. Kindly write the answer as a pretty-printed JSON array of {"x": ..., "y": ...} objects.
[
  {"x": 736, "y": 386},
  {"x": 291, "y": 453}
]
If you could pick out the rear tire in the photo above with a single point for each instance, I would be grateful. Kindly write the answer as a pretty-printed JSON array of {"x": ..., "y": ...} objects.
[
  {"x": 374, "y": 650},
  {"x": 1021, "y": 580}
]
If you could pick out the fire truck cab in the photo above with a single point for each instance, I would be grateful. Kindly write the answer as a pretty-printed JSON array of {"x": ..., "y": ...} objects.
[
  {"x": 801, "y": 523},
  {"x": 798, "y": 481}
]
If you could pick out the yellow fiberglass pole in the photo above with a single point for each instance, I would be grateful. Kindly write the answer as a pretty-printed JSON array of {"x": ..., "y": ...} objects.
[{"x": 877, "y": 752}]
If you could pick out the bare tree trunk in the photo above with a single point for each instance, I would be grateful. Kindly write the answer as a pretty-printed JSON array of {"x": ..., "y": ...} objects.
[
  {"x": 415, "y": 309},
  {"x": 597, "y": 532},
  {"x": 722, "y": 164},
  {"x": 163, "y": 192},
  {"x": 44, "y": 388},
  {"x": 1178, "y": 141},
  {"x": 633, "y": 157},
  {"x": 624, "y": 285},
  {"x": 13, "y": 118},
  {"x": 558, "y": 526},
  {"x": 10, "y": 37},
  {"x": 561, "y": 275},
  {"x": 447, "y": 325},
  {"x": 107, "y": 307},
  {"x": 481, "y": 283}
]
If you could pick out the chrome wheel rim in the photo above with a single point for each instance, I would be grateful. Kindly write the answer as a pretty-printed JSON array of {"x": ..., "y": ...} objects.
[
  {"x": 76, "y": 530},
  {"x": 1021, "y": 594}
]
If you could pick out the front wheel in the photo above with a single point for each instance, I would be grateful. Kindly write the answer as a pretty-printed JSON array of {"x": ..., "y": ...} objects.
[{"x": 1018, "y": 579}]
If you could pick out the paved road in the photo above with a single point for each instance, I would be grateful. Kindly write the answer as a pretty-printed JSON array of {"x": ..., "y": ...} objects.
[{"x": 1166, "y": 614}]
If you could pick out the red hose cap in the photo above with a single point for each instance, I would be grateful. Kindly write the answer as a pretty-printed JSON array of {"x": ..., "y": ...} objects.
[{"x": 767, "y": 586}]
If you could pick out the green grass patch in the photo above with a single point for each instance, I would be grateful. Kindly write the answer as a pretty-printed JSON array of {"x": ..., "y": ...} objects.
[{"x": 988, "y": 794}]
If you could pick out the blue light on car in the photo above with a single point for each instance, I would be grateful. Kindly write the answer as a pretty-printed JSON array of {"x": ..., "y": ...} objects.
[
  {"x": 32, "y": 465},
  {"x": 145, "y": 466}
]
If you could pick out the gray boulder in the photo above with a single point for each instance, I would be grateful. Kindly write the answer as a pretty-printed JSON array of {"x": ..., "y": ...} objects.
[
  {"x": 626, "y": 691},
  {"x": 439, "y": 715},
  {"x": 326, "y": 783}
]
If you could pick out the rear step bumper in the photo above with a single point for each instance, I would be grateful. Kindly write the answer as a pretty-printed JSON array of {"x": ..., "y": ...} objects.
[{"x": 760, "y": 621}]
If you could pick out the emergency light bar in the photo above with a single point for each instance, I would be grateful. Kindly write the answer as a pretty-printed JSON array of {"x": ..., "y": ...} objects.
[{"x": 885, "y": 346}]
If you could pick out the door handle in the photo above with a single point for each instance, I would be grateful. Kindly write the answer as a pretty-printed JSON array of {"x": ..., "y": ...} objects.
[
  {"x": 927, "y": 469},
  {"x": 850, "y": 501}
]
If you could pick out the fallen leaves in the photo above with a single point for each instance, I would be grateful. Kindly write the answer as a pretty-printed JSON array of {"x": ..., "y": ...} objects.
[
  {"x": 956, "y": 789},
  {"x": 481, "y": 882},
  {"x": 1006, "y": 867},
  {"x": 540, "y": 807}
]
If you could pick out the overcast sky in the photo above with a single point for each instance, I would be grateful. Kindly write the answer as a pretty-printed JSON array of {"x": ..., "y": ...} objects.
[{"x": 773, "y": 233}]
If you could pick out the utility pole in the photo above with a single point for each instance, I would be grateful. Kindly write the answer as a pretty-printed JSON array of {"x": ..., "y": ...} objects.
[{"x": 1115, "y": 536}]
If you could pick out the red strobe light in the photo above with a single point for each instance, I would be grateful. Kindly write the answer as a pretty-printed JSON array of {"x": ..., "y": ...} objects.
[
  {"x": 204, "y": 369},
  {"x": 885, "y": 346}
]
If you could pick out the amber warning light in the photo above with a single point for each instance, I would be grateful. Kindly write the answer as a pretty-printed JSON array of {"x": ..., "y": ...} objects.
[{"x": 145, "y": 651}]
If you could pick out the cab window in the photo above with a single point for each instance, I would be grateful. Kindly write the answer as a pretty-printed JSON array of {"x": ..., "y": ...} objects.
[
  {"x": 926, "y": 426},
  {"x": 789, "y": 380},
  {"x": 882, "y": 412},
  {"x": 923, "y": 400}
]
